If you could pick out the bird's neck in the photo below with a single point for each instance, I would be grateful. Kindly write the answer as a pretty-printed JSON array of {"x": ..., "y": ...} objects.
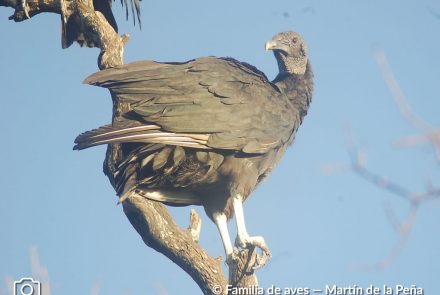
[{"x": 297, "y": 88}]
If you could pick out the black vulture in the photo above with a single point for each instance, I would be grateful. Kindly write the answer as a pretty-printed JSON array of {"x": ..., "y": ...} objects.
[{"x": 204, "y": 132}]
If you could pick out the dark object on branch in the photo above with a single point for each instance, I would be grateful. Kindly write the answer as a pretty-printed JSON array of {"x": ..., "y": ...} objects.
[
  {"x": 204, "y": 132},
  {"x": 81, "y": 22},
  {"x": 73, "y": 30}
]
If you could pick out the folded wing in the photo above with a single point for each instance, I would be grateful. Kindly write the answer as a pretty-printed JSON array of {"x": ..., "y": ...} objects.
[{"x": 207, "y": 103}]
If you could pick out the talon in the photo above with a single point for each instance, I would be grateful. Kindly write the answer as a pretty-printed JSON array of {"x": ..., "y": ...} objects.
[
  {"x": 261, "y": 261},
  {"x": 245, "y": 241}
]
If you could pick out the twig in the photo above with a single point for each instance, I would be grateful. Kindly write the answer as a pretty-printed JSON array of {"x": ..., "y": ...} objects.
[
  {"x": 397, "y": 93},
  {"x": 429, "y": 133},
  {"x": 96, "y": 287},
  {"x": 39, "y": 272},
  {"x": 415, "y": 199},
  {"x": 403, "y": 228}
]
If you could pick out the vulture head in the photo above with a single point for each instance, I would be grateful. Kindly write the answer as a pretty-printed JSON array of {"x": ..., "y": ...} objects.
[{"x": 290, "y": 50}]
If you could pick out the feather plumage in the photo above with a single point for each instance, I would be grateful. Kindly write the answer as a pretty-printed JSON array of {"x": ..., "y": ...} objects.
[
  {"x": 206, "y": 109},
  {"x": 202, "y": 132}
]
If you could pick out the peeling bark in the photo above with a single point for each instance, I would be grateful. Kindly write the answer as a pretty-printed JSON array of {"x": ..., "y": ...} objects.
[{"x": 241, "y": 272}]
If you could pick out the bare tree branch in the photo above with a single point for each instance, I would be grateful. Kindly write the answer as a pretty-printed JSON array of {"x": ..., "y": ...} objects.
[
  {"x": 97, "y": 32},
  {"x": 241, "y": 272},
  {"x": 39, "y": 272},
  {"x": 430, "y": 137},
  {"x": 9, "y": 282},
  {"x": 96, "y": 287},
  {"x": 358, "y": 165},
  {"x": 397, "y": 93},
  {"x": 34, "y": 7},
  {"x": 433, "y": 12},
  {"x": 101, "y": 33},
  {"x": 415, "y": 199},
  {"x": 404, "y": 231},
  {"x": 159, "y": 231},
  {"x": 429, "y": 133}
]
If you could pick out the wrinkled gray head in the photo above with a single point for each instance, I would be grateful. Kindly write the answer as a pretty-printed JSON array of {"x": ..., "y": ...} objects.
[{"x": 290, "y": 50}]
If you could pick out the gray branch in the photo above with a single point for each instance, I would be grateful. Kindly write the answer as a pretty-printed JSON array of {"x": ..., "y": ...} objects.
[
  {"x": 159, "y": 231},
  {"x": 97, "y": 32},
  {"x": 35, "y": 7}
]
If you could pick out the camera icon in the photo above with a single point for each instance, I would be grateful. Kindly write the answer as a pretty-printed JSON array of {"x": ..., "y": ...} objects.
[{"x": 27, "y": 286}]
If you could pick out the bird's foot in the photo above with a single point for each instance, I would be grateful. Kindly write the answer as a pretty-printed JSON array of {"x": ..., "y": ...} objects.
[
  {"x": 25, "y": 7},
  {"x": 246, "y": 242}
]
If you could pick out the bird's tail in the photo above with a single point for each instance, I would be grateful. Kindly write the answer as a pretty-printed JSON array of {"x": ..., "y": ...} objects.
[
  {"x": 109, "y": 134},
  {"x": 134, "y": 5}
]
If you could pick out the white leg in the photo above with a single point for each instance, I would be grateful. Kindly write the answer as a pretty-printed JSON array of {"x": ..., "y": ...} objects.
[
  {"x": 242, "y": 233},
  {"x": 243, "y": 238},
  {"x": 222, "y": 225}
]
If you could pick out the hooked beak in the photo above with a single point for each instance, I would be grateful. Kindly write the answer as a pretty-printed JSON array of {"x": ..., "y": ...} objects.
[{"x": 270, "y": 45}]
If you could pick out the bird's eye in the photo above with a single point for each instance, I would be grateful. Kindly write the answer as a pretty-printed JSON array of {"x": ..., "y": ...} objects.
[{"x": 294, "y": 40}]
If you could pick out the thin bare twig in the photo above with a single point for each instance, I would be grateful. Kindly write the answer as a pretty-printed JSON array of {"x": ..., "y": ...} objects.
[
  {"x": 397, "y": 93},
  {"x": 404, "y": 230},
  {"x": 96, "y": 287},
  {"x": 39, "y": 272},
  {"x": 415, "y": 199},
  {"x": 428, "y": 133}
]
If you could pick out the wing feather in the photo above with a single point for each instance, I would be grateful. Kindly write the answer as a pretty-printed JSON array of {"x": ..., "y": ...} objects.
[
  {"x": 207, "y": 103},
  {"x": 149, "y": 134}
]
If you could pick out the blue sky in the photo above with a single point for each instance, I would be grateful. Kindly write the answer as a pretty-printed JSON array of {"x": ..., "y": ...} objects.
[{"x": 321, "y": 228}]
